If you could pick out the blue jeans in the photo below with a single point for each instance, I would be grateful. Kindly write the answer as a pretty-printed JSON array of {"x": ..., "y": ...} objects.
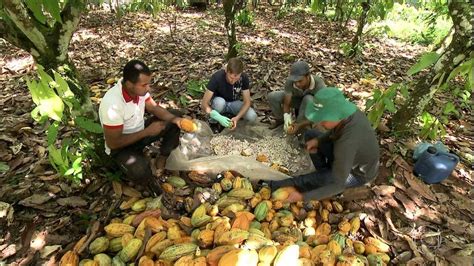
[
  {"x": 322, "y": 161},
  {"x": 233, "y": 108}
]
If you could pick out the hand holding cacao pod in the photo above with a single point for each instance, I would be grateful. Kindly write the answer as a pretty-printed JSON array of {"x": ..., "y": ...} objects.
[{"x": 187, "y": 125}]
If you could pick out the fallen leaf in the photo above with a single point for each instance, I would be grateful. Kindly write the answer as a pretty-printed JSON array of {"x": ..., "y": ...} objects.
[
  {"x": 384, "y": 190},
  {"x": 419, "y": 186},
  {"x": 36, "y": 199},
  {"x": 73, "y": 201},
  {"x": 6, "y": 212},
  {"x": 48, "y": 250}
]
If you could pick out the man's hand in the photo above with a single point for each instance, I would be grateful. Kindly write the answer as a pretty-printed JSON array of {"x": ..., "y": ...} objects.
[
  {"x": 312, "y": 145},
  {"x": 155, "y": 128},
  {"x": 234, "y": 121},
  {"x": 287, "y": 121},
  {"x": 294, "y": 128},
  {"x": 294, "y": 196},
  {"x": 223, "y": 120}
]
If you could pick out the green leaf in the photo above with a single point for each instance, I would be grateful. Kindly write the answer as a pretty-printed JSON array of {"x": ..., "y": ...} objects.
[
  {"x": 389, "y": 105},
  {"x": 4, "y": 167},
  {"x": 52, "y": 6},
  {"x": 52, "y": 132},
  {"x": 37, "y": 9},
  {"x": 425, "y": 61},
  {"x": 88, "y": 125},
  {"x": 49, "y": 104}
]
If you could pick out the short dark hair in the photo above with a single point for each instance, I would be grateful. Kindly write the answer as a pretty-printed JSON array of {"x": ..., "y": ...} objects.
[
  {"x": 235, "y": 66},
  {"x": 133, "y": 69}
]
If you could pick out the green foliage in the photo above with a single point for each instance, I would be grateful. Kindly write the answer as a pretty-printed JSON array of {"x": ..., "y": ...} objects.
[
  {"x": 245, "y": 17},
  {"x": 432, "y": 127},
  {"x": 4, "y": 167},
  {"x": 150, "y": 6},
  {"x": 45, "y": 11},
  {"x": 381, "y": 101},
  {"x": 56, "y": 103},
  {"x": 282, "y": 12},
  {"x": 427, "y": 24},
  {"x": 425, "y": 61},
  {"x": 348, "y": 50},
  {"x": 196, "y": 88}
]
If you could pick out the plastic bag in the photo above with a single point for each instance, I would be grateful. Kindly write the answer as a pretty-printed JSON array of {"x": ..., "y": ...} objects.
[{"x": 196, "y": 153}]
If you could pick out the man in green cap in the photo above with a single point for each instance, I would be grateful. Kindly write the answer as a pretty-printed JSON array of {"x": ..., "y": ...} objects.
[
  {"x": 299, "y": 90},
  {"x": 347, "y": 155}
]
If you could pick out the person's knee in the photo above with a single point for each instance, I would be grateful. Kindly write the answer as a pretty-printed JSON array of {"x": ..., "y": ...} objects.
[
  {"x": 218, "y": 104},
  {"x": 275, "y": 97},
  {"x": 250, "y": 115},
  {"x": 137, "y": 168}
]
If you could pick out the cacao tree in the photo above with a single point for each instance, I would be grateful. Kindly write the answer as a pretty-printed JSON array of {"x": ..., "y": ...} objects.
[
  {"x": 44, "y": 29},
  {"x": 443, "y": 64}
]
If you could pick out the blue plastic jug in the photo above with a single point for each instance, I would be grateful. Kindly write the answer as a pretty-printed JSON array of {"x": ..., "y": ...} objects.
[{"x": 434, "y": 166}]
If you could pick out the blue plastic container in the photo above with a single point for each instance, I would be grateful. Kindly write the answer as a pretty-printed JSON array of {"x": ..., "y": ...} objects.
[{"x": 434, "y": 166}]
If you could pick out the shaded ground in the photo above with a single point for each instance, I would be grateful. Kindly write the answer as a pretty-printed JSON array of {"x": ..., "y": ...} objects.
[{"x": 422, "y": 223}]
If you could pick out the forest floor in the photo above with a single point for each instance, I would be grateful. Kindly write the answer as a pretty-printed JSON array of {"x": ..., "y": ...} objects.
[{"x": 424, "y": 224}]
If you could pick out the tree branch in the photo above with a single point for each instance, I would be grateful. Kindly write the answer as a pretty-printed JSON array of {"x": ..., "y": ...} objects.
[
  {"x": 17, "y": 12},
  {"x": 13, "y": 35}
]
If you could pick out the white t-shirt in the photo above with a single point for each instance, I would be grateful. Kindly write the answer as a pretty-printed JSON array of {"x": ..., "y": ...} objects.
[{"x": 118, "y": 110}]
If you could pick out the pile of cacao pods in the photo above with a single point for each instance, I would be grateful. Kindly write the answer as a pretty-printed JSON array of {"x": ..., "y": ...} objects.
[{"x": 239, "y": 226}]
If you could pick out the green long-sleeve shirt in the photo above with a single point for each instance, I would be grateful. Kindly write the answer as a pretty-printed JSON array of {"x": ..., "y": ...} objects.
[{"x": 356, "y": 151}]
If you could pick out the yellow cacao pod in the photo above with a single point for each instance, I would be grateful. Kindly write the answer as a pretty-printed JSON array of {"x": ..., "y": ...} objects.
[
  {"x": 359, "y": 247},
  {"x": 117, "y": 230},
  {"x": 267, "y": 254},
  {"x": 355, "y": 225},
  {"x": 323, "y": 229},
  {"x": 126, "y": 238},
  {"x": 334, "y": 247},
  {"x": 234, "y": 236},
  {"x": 146, "y": 261},
  {"x": 128, "y": 204},
  {"x": 337, "y": 206},
  {"x": 103, "y": 259},
  {"x": 156, "y": 238},
  {"x": 206, "y": 238},
  {"x": 99, "y": 245},
  {"x": 188, "y": 125},
  {"x": 316, "y": 253},
  {"x": 265, "y": 192},
  {"x": 115, "y": 245},
  {"x": 344, "y": 227},
  {"x": 381, "y": 246},
  {"x": 69, "y": 258},
  {"x": 216, "y": 254},
  {"x": 129, "y": 251},
  {"x": 175, "y": 252}
]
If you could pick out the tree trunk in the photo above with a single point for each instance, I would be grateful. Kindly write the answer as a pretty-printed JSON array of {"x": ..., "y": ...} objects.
[
  {"x": 459, "y": 50},
  {"x": 230, "y": 8},
  {"x": 360, "y": 27},
  {"x": 47, "y": 44},
  {"x": 339, "y": 11}
]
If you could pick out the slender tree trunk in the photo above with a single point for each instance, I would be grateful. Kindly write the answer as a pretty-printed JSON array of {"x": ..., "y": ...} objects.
[
  {"x": 230, "y": 8},
  {"x": 339, "y": 11},
  {"x": 459, "y": 50},
  {"x": 360, "y": 27},
  {"x": 47, "y": 44}
]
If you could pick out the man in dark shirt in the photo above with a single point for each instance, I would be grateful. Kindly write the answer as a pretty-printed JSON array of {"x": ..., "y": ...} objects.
[
  {"x": 224, "y": 92},
  {"x": 347, "y": 155}
]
